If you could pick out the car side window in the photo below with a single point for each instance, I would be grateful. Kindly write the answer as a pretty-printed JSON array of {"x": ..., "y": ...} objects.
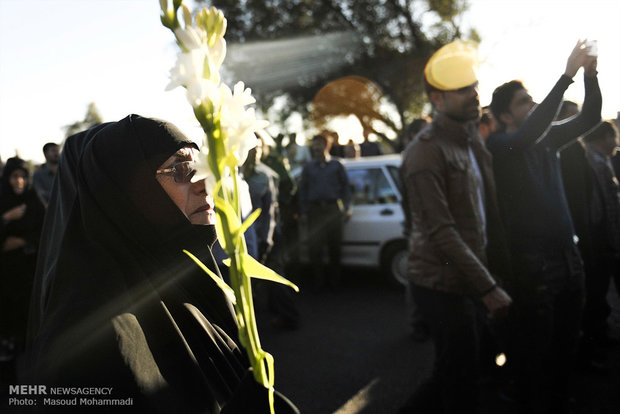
[{"x": 370, "y": 186}]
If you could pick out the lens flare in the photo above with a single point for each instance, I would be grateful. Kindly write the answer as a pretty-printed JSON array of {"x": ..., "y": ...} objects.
[{"x": 500, "y": 359}]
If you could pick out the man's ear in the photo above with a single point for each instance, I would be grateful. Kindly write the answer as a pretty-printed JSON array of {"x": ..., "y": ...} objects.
[{"x": 436, "y": 98}]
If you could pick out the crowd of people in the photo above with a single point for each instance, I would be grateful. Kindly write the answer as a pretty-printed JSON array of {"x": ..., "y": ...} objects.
[
  {"x": 512, "y": 217},
  {"x": 504, "y": 247}
]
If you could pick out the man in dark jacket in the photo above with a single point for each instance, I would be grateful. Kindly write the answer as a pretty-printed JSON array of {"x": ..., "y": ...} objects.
[
  {"x": 548, "y": 284},
  {"x": 450, "y": 194}
]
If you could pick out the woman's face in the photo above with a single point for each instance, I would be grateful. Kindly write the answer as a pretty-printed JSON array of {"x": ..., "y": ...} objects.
[
  {"x": 190, "y": 197},
  {"x": 18, "y": 180}
]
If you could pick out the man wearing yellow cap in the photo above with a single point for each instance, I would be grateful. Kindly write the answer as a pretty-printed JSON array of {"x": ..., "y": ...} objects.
[
  {"x": 548, "y": 285},
  {"x": 456, "y": 238}
]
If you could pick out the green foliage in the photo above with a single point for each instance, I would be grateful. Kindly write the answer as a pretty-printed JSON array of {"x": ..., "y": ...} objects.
[
  {"x": 393, "y": 45},
  {"x": 91, "y": 119},
  {"x": 447, "y": 10}
]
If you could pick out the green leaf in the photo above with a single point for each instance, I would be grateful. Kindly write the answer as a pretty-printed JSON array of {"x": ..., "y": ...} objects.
[
  {"x": 226, "y": 218},
  {"x": 218, "y": 280},
  {"x": 219, "y": 229},
  {"x": 250, "y": 220},
  {"x": 229, "y": 213},
  {"x": 255, "y": 269}
]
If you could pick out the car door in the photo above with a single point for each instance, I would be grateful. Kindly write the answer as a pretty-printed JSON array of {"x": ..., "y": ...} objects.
[{"x": 377, "y": 216}]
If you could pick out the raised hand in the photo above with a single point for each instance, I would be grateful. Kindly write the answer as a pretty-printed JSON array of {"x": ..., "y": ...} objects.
[{"x": 577, "y": 59}]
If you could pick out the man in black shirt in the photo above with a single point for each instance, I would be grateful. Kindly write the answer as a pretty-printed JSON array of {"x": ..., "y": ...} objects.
[
  {"x": 44, "y": 177},
  {"x": 548, "y": 285}
]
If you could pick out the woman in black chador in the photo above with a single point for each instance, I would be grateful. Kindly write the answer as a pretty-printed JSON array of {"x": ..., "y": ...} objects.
[
  {"x": 22, "y": 217},
  {"x": 116, "y": 302}
]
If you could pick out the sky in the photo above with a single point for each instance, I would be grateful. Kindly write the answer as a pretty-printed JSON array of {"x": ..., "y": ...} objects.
[{"x": 57, "y": 56}]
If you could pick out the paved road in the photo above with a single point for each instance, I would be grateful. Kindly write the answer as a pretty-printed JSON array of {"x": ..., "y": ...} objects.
[{"x": 353, "y": 354}]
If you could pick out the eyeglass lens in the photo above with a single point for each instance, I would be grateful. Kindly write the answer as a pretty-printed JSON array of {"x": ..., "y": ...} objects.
[{"x": 184, "y": 171}]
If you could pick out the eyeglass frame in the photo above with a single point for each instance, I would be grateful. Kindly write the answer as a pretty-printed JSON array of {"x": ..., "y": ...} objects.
[{"x": 172, "y": 171}]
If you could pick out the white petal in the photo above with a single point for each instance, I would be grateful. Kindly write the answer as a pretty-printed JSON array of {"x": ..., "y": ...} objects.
[
  {"x": 218, "y": 51},
  {"x": 190, "y": 37}
]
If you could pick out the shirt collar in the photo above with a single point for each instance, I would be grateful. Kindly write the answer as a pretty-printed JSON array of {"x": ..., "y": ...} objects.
[{"x": 455, "y": 130}]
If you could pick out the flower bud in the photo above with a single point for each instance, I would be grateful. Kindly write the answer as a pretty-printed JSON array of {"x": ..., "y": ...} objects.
[
  {"x": 213, "y": 22},
  {"x": 187, "y": 16}
]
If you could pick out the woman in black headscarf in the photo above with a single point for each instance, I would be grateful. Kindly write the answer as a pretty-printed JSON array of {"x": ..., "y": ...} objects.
[
  {"x": 116, "y": 303},
  {"x": 22, "y": 217}
]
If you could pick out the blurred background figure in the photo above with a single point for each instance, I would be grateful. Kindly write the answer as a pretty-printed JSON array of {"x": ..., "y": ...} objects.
[
  {"x": 335, "y": 149},
  {"x": 411, "y": 131},
  {"x": 486, "y": 125},
  {"x": 583, "y": 196},
  {"x": 22, "y": 219},
  {"x": 352, "y": 150},
  {"x": 600, "y": 145},
  {"x": 324, "y": 204},
  {"x": 263, "y": 184},
  {"x": 369, "y": 148},
  {"x": 43, "y": 177},
  {"x": 296, "y": 154}
]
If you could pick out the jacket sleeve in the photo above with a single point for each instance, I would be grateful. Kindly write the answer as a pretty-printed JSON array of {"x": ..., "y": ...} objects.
[
  {"x": 566, "y": 131},
  {"x": 535, "y": 127},
  {"x": 428, "y": 197}
]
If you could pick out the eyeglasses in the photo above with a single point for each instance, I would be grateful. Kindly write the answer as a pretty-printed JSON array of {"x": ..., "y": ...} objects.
[{"x": 183, "y": 172}]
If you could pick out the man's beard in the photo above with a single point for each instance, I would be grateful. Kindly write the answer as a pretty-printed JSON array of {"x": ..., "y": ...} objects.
[{"x": 465, "y": 117}]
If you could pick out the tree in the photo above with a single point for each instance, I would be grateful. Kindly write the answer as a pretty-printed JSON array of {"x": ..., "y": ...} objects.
[
  {"x": 296, "y": 47},
  {"x": 91, "y": 119}
]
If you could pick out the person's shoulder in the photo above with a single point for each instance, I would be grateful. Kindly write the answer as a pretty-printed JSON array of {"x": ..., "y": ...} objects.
[
  {"x": 267, "y": 170},
  {"x": 424, "y": 152},
  {"x": 310, "y": 164},
  {"x": 429, "y": 137},
  {"x": 431, "y": 132},
  {"x": 336, "y": 163},
  {"x": 495, "y": 139},
  {"x": 256, "y": 176},
  {"x": 39, "y": 170}
]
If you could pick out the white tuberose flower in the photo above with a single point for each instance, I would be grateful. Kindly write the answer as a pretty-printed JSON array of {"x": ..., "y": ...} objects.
[
  {"x": 188, "y": 68},
  {"x": 204, "y": 171},
  {"x": 198, "y": 68},
  {"x": 239, "y": 123}
]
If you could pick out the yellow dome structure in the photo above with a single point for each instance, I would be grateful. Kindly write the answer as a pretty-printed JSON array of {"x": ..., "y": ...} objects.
[{"x": 454, "y": 66}]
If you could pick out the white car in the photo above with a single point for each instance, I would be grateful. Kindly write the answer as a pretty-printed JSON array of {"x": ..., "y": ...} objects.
[{"x": 373, "y": 237}]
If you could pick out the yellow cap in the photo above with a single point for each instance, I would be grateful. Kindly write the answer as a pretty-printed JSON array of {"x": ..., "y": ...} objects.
[{"x": 454, "y": 66}]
